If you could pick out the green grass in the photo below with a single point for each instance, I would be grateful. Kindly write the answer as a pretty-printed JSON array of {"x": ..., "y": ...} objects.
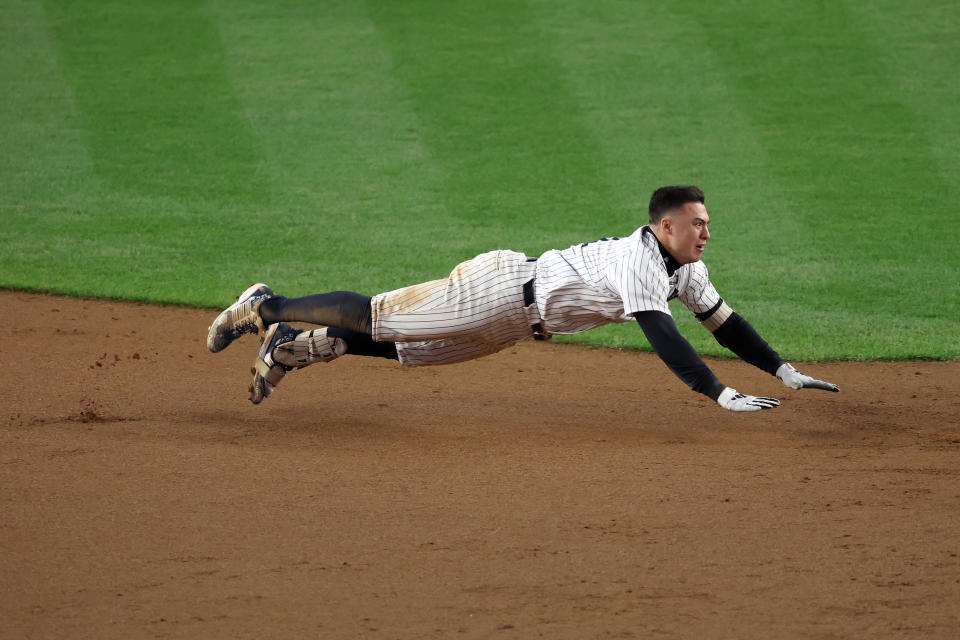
[{"x": 177, "y": 151}]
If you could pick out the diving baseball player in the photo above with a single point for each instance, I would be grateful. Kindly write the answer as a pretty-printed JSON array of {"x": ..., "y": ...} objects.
[{"x": 502, "y": 297}]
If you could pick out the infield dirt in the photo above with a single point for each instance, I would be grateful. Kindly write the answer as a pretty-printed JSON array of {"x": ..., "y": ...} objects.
[{"x": 549, "y": 491}]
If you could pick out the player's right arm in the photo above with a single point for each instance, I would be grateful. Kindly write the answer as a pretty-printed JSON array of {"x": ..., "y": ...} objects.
[
  {"x": 732, "y": 331},
  {"x": 681, "y": 358}
]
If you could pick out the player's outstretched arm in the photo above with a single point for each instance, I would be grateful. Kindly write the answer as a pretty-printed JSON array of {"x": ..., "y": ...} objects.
[
  {"x": 796, "y": 380},
  {"x": 733, "y": 332},
  {"x": 686, "y": 364}
]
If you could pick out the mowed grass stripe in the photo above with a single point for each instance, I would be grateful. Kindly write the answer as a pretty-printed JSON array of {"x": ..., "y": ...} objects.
[
  {"x": 849, "y": 159},
  {"x": 830, "y": 111},
  {"x": 353, "y": 188},
  {"x": 44, "y": 167},
  {"x": 523, "y": 170},
  {"x": 922, "y": 68},
  {"x": 694, "y": 70},
  {"x": 662, "y": 112},
  {"x": 44, "y": 153},
  {"x": 150, "y": 83},
  {"x": 166, "y": 161}
]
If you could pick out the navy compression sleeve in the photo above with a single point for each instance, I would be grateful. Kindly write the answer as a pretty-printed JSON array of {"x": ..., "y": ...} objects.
[
  {"x": 344, "y": 309},
  {"x": 677, "y": 353},
  {"x": 740, "y": 337}
]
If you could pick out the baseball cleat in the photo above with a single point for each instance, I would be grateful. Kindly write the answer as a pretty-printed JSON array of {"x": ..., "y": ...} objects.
[
  {"x": 243, "y": 316},
  {"x": 267, "y": 372}
]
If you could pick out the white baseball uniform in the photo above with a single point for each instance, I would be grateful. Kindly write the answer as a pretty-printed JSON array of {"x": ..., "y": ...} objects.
[
  {"x": 607, "y": 281},
  {"x": 480, "y": 308},
  {"x": 477, "y": 310}
]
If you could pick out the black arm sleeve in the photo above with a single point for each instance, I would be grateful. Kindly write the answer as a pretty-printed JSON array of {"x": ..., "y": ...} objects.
[
  {"x": 737, "y": 335},
  {"x": 677, "y": 353}
]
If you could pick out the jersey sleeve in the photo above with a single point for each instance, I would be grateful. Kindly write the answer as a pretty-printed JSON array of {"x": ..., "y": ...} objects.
[
  {"x": 698, "y": 293},
  {"x": 641, "y": 281}
]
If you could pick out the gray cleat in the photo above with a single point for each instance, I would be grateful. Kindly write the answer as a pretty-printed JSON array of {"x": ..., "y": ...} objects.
[
  {"x": 267, "y": 372},
  {"x": 243, "y": 316}
]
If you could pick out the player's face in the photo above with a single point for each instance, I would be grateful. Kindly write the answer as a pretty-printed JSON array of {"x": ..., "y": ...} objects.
[{"x": 687, "y": 232}]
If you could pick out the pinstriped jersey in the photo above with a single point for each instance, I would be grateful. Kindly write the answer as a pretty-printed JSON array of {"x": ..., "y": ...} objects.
[{"x": 597, "y": 283}]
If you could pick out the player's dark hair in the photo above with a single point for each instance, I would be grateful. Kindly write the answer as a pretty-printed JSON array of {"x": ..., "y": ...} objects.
[{"x": 666, "y": 198}]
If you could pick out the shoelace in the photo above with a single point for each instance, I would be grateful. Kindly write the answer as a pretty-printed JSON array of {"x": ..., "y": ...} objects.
[{"x": 242, "y": 323}]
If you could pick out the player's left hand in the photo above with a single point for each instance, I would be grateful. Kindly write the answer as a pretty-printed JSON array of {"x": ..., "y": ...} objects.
[{"x": 796, "y": 380}]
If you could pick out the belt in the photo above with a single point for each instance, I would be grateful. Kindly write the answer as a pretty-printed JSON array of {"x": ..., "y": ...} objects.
[{"x": 528, "y": 299}]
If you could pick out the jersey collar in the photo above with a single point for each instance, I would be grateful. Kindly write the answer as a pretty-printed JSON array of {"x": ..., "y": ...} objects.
[{"x": 668, "y": 260}]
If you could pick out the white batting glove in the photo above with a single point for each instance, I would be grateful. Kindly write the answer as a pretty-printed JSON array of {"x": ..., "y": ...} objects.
[
  {"x": 731, "y": 400},
  {"x": 796, "y": 380}
]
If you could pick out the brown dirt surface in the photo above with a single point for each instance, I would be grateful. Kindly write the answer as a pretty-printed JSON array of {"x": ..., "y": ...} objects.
[{"x": 549, "y": 491}]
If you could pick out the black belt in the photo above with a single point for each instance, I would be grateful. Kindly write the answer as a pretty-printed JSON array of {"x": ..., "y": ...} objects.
[{"x": 528, "y": 299}]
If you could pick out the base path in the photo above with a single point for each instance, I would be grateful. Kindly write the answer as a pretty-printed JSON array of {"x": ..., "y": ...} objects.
[{"x": 549, "y": 491}]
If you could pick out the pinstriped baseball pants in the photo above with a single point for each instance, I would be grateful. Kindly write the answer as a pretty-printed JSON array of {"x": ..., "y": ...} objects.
[{"x": 476, "y": 311}]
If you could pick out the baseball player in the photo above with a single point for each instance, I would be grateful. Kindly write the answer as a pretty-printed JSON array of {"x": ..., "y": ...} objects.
[{"x": 502, "y": 297}]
